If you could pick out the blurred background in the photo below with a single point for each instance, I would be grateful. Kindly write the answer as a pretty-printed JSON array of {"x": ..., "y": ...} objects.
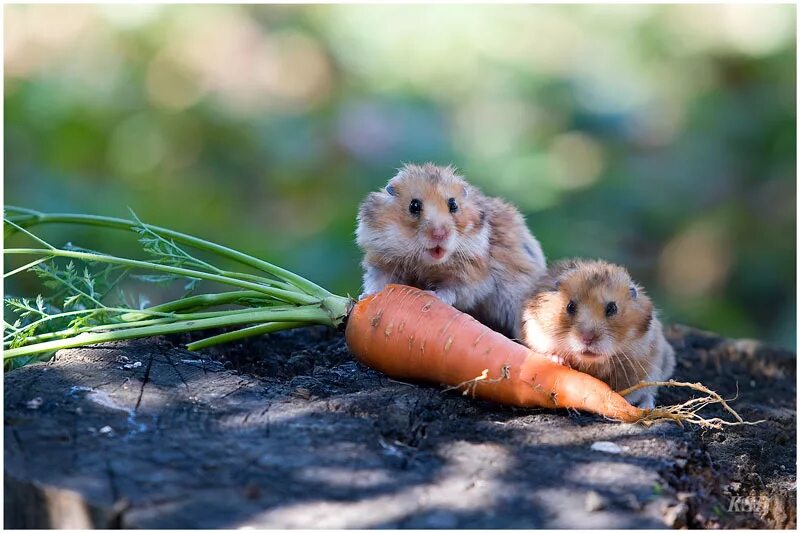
[{"x": 659, "y": 137}]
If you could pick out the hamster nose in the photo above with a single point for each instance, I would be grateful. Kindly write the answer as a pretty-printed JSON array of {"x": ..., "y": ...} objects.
[
  {"x": 439, "y": 234},
  {"x": 588, "y": 337}
]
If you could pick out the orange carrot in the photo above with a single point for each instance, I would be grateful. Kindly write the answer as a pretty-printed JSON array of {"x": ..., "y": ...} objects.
[{"x": 407, "y": 333}]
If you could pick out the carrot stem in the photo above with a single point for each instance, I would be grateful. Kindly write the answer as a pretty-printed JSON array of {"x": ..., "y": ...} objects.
[
  {"x": 306, "y": 315},
  {"x": 195, "y": 302},
  {"x": 165, "y": 318},
  {"x": 261, "y": 329},
  {"x": 189, "y": 273},
  {"x": 29, "y": 217}
]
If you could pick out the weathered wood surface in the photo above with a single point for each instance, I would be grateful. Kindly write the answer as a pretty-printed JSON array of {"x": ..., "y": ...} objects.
[{"x": 146, "y": 434}]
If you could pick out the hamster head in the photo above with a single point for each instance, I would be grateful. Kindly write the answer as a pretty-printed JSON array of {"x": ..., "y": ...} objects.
[
  {"x": 426, "y": 214},
  {"x": 589, "y": 312}
]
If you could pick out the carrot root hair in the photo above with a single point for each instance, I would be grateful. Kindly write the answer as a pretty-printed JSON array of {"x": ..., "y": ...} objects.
[
  {"x": 688, "y": 411},
  {"x": 470, "y": 385}
]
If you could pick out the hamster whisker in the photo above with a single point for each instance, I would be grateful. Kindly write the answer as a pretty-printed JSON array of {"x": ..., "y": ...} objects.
[
  {"x": 613, "y": 374},
  {"x": 464, "y": 254},
  {"x": 623, "y": 365},
  {"x": 459, "y": 251},
  {"x": 393, "y": 275},
  {"x": 651, "y": 365},
  {"x": 637, "y": 361}
]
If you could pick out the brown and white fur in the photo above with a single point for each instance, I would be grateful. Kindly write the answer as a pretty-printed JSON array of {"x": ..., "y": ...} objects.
[
  {"x": 474, "y": 252},
  {"x": 590, "y": 315}
]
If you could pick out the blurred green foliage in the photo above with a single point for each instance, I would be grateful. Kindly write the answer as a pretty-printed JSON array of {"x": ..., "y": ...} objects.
[{"x": 660, "y": 137}]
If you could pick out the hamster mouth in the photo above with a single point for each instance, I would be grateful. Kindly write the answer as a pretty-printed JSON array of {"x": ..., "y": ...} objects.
[
  {"x": 437, "y": 253},
  {"x": 589, "y": 356}
]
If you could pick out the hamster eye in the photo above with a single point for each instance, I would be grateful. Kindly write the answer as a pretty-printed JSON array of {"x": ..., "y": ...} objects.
[
  {"x": 611, "y": 309},
  {"x": 451, "y": 203},
  {"x": 571, "y": 308},
  {"x": 415, "y": 207}
]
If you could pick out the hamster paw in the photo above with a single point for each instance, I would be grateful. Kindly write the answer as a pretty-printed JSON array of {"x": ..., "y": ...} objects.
[
  {"x": 645, "y": 402},
  {"x": 445, "y": 296},
  {"x": 558, "y": 359}
]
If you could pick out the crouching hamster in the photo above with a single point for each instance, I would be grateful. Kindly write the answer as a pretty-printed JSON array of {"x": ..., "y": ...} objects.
[
  {"x": 591, "y": 316},
  {"x": 430, "y": 229}
]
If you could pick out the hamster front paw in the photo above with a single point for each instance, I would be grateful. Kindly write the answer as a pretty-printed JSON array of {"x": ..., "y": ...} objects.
[
  {"x": 645, "y": 401},
  {"x": 558, "y": 359},
  {"x": 444, "y": 295}
]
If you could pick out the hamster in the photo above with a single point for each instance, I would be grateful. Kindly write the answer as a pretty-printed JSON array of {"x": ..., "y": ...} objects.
[
  {"x": 590, "y": 315},
  {"x": 430, "y": 229}
]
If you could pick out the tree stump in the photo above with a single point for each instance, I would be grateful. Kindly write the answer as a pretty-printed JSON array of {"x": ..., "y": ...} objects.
[{"x": 288, "y": 431}]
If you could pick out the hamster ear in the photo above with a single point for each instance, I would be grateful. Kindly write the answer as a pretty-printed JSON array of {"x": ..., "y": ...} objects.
[
  {"x": 390, "y": 190},
  {"x": 633, "y": 291},
  {"x": 466, "y": 191},
  {"x": 557, "y": 285}
]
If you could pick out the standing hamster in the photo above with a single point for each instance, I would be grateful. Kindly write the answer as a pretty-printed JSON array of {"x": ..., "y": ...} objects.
[
  {"x": 591, "y": 316},
  {"x": 430, "y": 229}
]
